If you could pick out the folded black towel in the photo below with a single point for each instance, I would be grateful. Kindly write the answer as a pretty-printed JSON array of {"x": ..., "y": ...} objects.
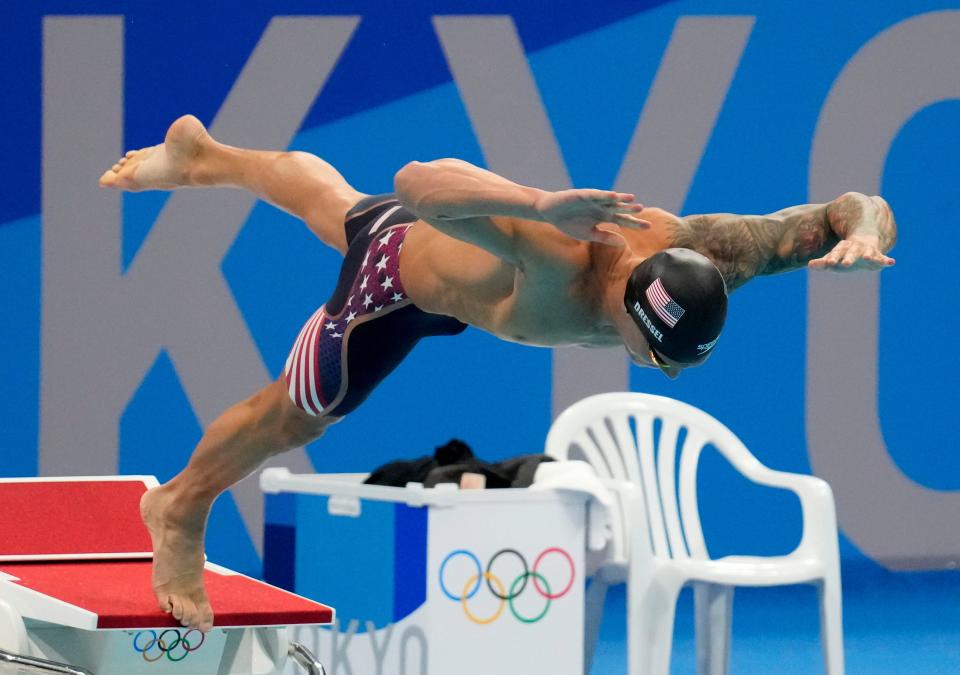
[{"x": 450, "y": 461}]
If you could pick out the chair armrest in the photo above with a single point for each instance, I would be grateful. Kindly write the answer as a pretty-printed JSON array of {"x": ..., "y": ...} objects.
[{"x": 816, "y": 506}]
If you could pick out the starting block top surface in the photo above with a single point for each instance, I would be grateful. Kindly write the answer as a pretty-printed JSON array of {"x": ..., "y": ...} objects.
[
  {"x": 119, "y": 594},
  {"x": 74, "y": 551},
  {"x": 73, "y": 518}
]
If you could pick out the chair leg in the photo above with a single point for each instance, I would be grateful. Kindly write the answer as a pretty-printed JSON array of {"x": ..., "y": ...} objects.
[
  {"x": 831, "y": 625},
  {"x": 594, "y": 600},
  {"x": 713, "y": 606},
  {"x": 651, "y": 607}
]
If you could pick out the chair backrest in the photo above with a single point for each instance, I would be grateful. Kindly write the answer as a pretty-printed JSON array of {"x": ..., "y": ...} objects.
[{"x": 638, "y": 438}]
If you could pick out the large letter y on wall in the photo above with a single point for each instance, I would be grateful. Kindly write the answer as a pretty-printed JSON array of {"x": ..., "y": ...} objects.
[{"x": 497, "y": 85}]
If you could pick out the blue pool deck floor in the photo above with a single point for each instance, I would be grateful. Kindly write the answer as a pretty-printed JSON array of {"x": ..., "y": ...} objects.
[{"x": 894, "y": 624}]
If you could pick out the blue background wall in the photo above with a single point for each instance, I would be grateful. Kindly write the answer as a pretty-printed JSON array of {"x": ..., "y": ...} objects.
[{"x": 390, "y": 99}]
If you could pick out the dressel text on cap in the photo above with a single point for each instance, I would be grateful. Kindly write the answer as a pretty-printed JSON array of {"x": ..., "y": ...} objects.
[{"x": 646, "y": 322}]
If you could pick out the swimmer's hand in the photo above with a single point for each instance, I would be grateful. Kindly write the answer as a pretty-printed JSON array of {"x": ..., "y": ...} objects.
[
  {"x": 855, "y": 253},
  {"x": 867, "y": 231},
  {"x": 591, "y": 215}
]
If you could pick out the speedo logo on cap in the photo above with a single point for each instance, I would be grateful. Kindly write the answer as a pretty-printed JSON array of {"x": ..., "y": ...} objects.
[
  {"x": 646, "y": 322},
  {"x": 708, "y": 346}
]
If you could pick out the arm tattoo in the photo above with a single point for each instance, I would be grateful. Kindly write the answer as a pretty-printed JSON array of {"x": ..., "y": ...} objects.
[
  {"x": 743, "y": 247},
  {"x": 845, "y": 214},
  {"x": 854, "y": 213}
]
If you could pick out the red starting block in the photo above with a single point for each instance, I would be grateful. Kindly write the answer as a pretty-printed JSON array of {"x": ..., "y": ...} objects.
[{"x": 75, "y": 594}]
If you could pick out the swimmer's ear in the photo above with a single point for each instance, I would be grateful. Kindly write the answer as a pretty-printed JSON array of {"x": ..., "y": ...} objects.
[{"x": 609, "y": 234}]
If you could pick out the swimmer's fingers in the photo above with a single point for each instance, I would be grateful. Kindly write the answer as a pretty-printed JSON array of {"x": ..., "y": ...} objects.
[
  {"x": 602, "y": 197},
  {"x": 630, "y": 220},
  {"x": 577, "y": 213},
  {"x": 832, "y": 259},
  {"x": 866, "y": 253},
  {"x": 849, "y": 256},
  {"x": 619, "y": 202},
  {"x": 619, "y": 208},
  {"x": 626, "y": 207},
  {"x": 624, "y": 212},
  {"x": 866, "y": 258},
  {"x": 612, "y": 196}
]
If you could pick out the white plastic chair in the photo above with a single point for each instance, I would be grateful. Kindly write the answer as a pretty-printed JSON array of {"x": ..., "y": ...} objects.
[{"x": 615, "y": 434}]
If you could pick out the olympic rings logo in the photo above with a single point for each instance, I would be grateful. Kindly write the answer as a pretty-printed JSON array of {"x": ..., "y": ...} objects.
[
  {"x": 504, "y": 593},
  {"x": 169, "y": 643}
]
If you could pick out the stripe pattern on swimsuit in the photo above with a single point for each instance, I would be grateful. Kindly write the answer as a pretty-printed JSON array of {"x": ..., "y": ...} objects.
[{"x": 314, "y": 371}]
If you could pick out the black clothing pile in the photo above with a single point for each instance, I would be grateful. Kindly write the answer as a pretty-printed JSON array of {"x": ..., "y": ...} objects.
[{"x": 450, "y": 461}]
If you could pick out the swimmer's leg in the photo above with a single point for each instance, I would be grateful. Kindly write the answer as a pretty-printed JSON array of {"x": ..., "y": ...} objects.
[
  {"x": 297, "y": 182},
  {"x": 237, "y": 442}
]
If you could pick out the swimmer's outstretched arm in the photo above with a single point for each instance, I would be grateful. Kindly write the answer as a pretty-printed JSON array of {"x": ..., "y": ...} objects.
[
  {"x": 485, "y": 209},
  {"x": 853, "y": 232}
]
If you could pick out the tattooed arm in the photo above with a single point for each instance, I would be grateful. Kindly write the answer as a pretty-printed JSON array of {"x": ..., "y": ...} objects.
[{"x": 851, "y": 232}]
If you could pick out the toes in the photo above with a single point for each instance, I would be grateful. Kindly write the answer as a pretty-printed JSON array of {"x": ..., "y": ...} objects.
[
  {"x": 190, "y": 618},
  {"x": 123, "y": 160},
  {"x": 178, "y": 608},
  {"x": 205, "y": 620},
  {"x": 202, "y": 622},
  {"x": 130, "y": 153},
  {"x": 108, "y": 179},
  {"x": 195, "y": 614}
]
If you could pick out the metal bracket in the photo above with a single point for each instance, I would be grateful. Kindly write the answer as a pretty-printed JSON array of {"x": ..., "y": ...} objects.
[
  {"x": 29, "y": 664},
  {"x": 302, "y": 655}
]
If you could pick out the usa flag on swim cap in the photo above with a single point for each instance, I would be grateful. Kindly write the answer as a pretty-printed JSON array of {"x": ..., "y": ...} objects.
[{"x": 661, "y": 303}]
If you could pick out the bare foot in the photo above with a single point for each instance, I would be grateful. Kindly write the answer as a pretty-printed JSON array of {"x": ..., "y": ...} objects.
[
  {"x": 160, "y": 167},
  {"x": 178, "y": 560}
]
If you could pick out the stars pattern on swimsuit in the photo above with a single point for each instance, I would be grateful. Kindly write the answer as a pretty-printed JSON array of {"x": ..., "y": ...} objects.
[
  {"x": 378, "y": 284},
  {"x": 375, "y": 286},
  {"x": 333, "y": 329}
]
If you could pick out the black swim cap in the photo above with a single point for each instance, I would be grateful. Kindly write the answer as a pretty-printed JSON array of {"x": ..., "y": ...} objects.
[{"x": 679, "y": 301}]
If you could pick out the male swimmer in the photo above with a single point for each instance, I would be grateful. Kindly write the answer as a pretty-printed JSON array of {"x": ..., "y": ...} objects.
[{"x": 454, "y": 246}]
